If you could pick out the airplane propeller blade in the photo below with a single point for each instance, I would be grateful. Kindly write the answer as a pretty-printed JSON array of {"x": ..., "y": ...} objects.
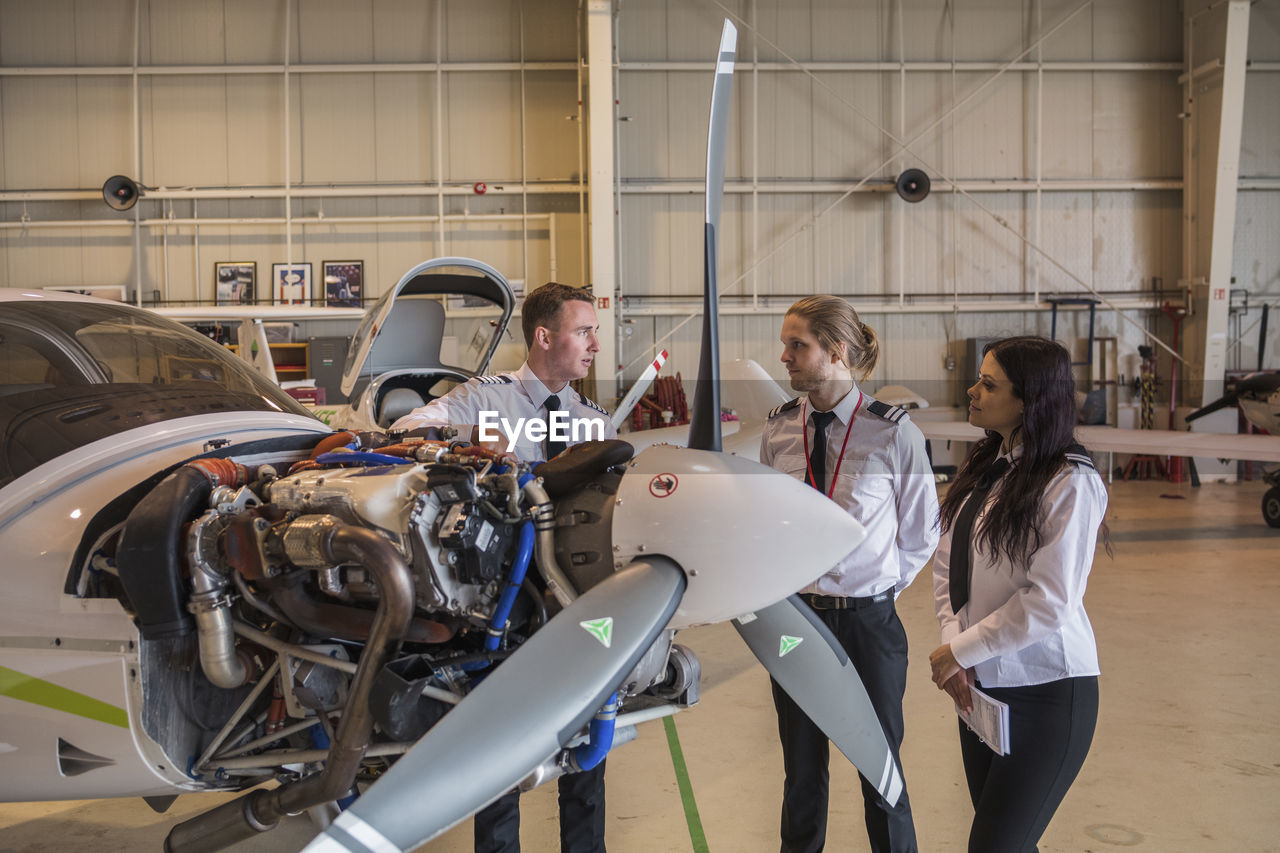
[
  {"x": 797, "y": 649},
  {"x": 805, "y": 658},
  {"x": 519, "y": 717},
  {"x": 704, "y": 420}
]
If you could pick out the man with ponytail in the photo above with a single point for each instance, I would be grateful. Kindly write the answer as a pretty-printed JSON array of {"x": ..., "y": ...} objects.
[{"x": 870, "y": 459}]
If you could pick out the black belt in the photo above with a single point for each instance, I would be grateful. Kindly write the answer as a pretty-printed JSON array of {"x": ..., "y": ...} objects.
[{"x": 840, "y": 602}]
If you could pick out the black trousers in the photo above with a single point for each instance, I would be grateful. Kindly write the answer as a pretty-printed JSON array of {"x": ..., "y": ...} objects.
[
  {"x": 497, "y": 826},
  {"x": 877, "y": 644},
  {"x": 1014, "y": 796}
]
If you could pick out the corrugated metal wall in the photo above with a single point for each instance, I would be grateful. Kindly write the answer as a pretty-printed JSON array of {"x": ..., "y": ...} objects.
[
  {"x": 217, "y": 127},
  {"x": 1080, "y": 131},
  {"x": 1102, "y": 142}
]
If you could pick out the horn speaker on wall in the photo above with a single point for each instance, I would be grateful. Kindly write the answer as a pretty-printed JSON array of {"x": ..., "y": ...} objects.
[
  {"x": 120, "y": 193},
  {"x": 913, "y": 185}
]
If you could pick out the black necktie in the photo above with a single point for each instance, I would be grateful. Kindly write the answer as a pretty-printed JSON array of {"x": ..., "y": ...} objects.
[
  {"x": 962, "y": 534},
  {"x": 818, "y": 457},
  {"x": 553, "y": 447}
]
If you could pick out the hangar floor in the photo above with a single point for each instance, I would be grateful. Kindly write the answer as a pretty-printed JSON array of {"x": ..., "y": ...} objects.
[{"x": 1186, "y": 756}]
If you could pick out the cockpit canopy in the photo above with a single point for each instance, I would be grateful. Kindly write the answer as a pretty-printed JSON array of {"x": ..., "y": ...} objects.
[{"x": 74, "y": 370}]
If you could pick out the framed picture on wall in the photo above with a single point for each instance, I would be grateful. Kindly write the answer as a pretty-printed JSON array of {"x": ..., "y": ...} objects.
[
  {"x": 235, "y": 282},
  {"x": 343, "y": 284},
  {"x": 291, "y": 284}
]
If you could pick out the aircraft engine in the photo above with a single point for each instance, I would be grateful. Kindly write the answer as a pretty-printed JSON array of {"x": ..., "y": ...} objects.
[{"x": 340, "y": 604}]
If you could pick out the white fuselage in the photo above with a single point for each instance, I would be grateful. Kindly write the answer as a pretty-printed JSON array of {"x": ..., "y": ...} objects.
[{"x": 70, "y": 665}]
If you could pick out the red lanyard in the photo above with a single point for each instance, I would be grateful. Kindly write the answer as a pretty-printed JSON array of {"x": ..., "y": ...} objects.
[{"x": 804, "y": 431}]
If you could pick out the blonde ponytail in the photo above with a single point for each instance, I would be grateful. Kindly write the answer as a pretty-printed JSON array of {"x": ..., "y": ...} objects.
[{"x": 834, "y": 322}]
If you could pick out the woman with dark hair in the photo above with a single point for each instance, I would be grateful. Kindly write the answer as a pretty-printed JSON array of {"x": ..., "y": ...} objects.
[{"x": 1019, "y": 526}]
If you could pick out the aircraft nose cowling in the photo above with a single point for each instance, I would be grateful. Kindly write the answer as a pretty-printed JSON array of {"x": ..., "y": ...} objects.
[{"x": 745, "y": 534}]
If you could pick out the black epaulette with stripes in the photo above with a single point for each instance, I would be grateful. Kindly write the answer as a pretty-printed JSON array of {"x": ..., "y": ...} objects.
[
  {"x": 785, "y": 407},
  {"x": 499, "y": 379},
  {"x": 587, "y": 401},
  {"x": 1077, "y": 455},
  {"x": 893, "y": 414}
]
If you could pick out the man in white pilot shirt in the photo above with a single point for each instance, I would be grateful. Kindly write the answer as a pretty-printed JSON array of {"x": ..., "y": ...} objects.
[
  {"x": 559, "y": 324},
  {"x": 870, "y": 459}
]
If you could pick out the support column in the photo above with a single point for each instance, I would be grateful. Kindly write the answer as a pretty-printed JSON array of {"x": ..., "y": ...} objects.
[
  {"x": 603, "y": 200},
  {"x": 1217, "y": 38}
]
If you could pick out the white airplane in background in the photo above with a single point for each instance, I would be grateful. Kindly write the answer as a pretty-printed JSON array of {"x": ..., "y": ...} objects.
[
  {"x": 751, "y": 393},
  {"x": 747, "y": 391},
  {"x": 1258, "y": 397},
  {"x": 1152, "y": 442}
]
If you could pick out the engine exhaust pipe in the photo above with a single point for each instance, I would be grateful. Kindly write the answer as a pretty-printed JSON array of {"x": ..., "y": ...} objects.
[{"x": 260, "y": 810}]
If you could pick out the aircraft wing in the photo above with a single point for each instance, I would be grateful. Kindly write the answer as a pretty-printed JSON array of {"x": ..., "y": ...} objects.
[
  {"x": 747, "y": 390},
  {"x": 256, "y": 352},
  {"x": 1158, "y": 442},
  {"x": 267, "y": 313},
  {"x": 739, "y": 438}
]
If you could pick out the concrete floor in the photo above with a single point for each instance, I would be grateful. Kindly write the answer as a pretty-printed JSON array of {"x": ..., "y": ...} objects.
[{"x": 1186, "y": 757}]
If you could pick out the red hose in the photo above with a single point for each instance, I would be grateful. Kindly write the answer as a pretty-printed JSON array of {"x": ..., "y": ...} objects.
[{"x": 221, "y": 472}]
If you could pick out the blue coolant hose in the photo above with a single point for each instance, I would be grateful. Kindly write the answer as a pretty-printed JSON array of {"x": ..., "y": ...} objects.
[
  {"x": 524, "y": 552},
  {"x": 600, "y": 737}
]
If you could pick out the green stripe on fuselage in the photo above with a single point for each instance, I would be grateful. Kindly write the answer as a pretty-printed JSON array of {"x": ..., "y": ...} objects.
[{"x": 37, "y": 691}]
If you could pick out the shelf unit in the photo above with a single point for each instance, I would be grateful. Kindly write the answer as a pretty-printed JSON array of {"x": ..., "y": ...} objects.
[{"x": 292, "y": 361}]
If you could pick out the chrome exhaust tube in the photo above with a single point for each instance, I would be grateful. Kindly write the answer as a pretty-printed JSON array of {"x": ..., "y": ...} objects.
[{"x": 544, "y": 524}]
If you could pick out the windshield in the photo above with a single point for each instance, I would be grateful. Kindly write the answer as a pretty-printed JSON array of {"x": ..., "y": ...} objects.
[{"x": 72, "y": 373}]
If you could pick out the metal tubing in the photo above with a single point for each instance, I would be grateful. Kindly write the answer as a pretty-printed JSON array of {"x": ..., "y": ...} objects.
[
  {"x": 218, "y": 658},
  {"x": 306, "y": 191},
  {"x": 350, "y": 544},
  {"x": 544, "y": 523},
  {"x": 221, "y": 736},
  {"x": 259, "y": 70},
  {"x": 287, "y": 121},
  {"x": 261, "y": 810},
  {"x": 269, "y": 739},
  {"x": 552, "y": 768},
  {"x": 161, "y": 222},
  {"x": 294, "y": 651},
  {"x": 876, "y": 67},
  {"x": 872, "y": 66},
  {"x": 265, "y": 762}
]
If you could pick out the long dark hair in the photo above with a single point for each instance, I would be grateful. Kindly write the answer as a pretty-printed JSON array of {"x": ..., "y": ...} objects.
[{"x": 1040, "y": 371}]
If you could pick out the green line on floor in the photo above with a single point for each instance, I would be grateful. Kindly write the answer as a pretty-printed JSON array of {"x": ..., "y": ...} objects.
[{"x": 686, "y": 790}]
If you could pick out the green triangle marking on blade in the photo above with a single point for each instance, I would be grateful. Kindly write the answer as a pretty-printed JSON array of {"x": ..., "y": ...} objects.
[
  {"x": 601, "y": 629},
  {"x": 788, "y": 644}
]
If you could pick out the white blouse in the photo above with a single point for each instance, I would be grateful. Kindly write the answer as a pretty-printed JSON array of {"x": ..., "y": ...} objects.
[{"x": 1023, "y": 627}]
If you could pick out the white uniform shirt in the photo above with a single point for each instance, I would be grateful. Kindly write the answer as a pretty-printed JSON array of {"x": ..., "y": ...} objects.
[
  {"x": 511, "y": 396},
  {"x": 885, "y": 482},
  {"x": 1029, "y": 627}
]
